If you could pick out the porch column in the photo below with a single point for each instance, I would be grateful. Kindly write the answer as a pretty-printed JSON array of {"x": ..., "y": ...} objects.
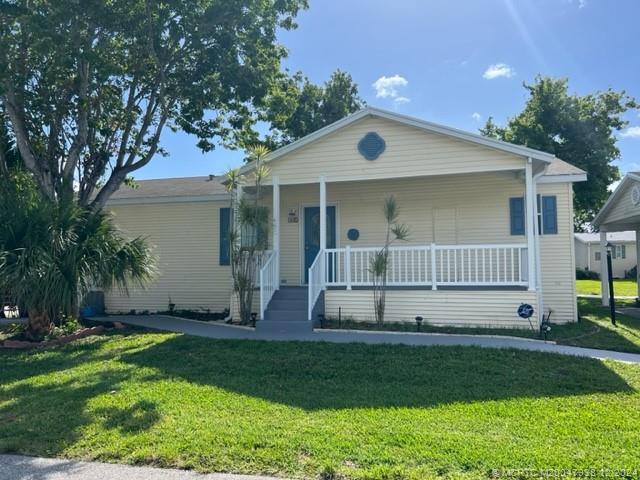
[
  {"x": 637, "y": 257},
  {"x": 531, "y": 224},
  {"x": 323, "y": 214},
  {"x": 604, "y": 278},
  {"x": 276, "y": 226},
  {"x": 323, "y": 225}
]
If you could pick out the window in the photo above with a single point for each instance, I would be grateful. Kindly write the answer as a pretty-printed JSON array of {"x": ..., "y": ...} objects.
[
  {"x": 619, "y": 251},
  {"x": 547, "y": 215},
  {"x": 516, "y": 214}
]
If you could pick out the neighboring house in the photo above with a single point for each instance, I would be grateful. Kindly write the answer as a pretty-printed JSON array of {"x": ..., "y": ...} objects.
[
  {"x": 472, "y": 258},
  {"x": 621, "y": 213},
  {"x": 623, "y": 252}
]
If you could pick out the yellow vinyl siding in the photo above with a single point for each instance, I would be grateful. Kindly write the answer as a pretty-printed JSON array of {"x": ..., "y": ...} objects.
[
  {"x": 480, "y": 203},
  {"x": 557, "y": 258},
  {"x": 469, "y": 308},
  {"x": 481, "y": 206},
  {"x": 409, "y": 152},
  {"x": 185, "y": 237}
]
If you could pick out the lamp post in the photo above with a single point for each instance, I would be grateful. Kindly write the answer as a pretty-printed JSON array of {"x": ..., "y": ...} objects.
[{"x": 612, "y": 300}]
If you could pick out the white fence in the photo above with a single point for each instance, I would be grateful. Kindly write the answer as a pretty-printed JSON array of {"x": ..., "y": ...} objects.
[{"x": 430, "y": 265}]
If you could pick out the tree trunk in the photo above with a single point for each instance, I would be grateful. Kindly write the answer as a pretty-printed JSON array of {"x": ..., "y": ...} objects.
[{"x": 38, "y": 325}]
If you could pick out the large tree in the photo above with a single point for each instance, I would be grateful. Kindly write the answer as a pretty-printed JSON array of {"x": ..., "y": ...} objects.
[
  {"x": 89, "y": 86},
  {"x": 301, "y": 107},
  {"x": 580, "y": 129}
]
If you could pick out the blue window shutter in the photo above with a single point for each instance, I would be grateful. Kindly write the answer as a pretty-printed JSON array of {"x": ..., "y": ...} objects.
[
  {"x": 549, "y": 215},
  {"x": 516, "y": 213},
  {"x": 624, "y": 252},
  {"x": 225, "y": 240}
]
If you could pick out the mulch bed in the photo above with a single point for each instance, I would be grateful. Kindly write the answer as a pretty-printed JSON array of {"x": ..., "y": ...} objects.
[{"x": 23, "y": 344}]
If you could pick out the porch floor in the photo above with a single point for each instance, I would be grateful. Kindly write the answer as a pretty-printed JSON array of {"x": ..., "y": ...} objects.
[{"x": 222, "y": 331}]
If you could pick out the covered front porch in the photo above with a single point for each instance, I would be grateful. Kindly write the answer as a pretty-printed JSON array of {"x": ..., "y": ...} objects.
[{"x": 462, "y": 264}]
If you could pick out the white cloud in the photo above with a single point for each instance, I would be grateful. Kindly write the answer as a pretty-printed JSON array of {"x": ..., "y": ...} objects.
[
  {"x": 580, "y": 3},
  {"x": 498, "y": 70},
  {"x": 631, "y": 132},
  {"x": 476, "y": 116},
  {"x": 614, "y": 185},
  {"x": 387, "y": 87}
]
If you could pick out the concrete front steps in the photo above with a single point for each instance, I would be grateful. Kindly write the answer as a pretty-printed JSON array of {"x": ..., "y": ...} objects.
[{"x": 287, "y": 312}]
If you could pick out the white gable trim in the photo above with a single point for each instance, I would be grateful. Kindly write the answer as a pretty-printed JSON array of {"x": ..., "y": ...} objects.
[
  {"x": 602, "y": 214},
  {"x": 578, "y": 177},
  {"x": 413, "y": 122}
]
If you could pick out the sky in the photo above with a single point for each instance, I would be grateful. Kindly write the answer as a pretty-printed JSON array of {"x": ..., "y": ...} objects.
[{"x": 454, "y": 62}]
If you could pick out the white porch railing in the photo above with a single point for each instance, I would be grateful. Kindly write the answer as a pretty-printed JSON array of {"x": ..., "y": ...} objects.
[
  {"x": 316, "y": 281},
  {"x": 429, "y": 265},
  {"x": 269, "y": 281}
]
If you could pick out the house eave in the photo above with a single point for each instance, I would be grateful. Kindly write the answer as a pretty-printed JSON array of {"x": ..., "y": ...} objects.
[
  {"x": 582, "y": 177},
  {"x": 168, "y": 199}
]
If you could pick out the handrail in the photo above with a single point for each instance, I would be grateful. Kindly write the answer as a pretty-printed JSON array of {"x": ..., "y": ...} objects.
[
  {"x": 269, "y": 281},
  {"x": 316, "y": 281},
  {"x": 431, "y": 265}
]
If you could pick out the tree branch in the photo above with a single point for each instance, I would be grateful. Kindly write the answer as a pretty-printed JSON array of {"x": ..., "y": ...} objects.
[
  {"x": 80, "y": 140},
  {"x": 16, "y": 117},
  {"x": 119, "y": 174}
]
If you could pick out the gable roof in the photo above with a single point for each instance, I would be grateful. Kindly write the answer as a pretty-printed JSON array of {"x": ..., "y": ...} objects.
[
  {"x": 520, "y": 150},
  {"x": 602, "y": 214},
  {"x": 172, "y": 189}
]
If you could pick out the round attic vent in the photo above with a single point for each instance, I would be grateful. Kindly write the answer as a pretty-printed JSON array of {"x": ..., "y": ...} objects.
[
  {"x": 635, "y": 195},
  {"x": 371, "y": 146}
]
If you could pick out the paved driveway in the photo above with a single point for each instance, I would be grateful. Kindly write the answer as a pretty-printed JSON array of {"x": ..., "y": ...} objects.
[{"x": 223, "y": 331}]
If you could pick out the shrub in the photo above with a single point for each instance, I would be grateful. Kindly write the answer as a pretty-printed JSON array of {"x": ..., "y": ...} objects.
[
  {"x": 586, "y": 275},
  {"x": 631, "y": 274}
]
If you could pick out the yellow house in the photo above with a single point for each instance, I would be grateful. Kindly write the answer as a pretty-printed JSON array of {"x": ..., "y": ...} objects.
[{"x": 490, "y": 229}]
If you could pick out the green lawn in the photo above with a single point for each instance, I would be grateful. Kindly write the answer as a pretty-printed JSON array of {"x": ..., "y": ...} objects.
[
  {"x": 311, "y": 409},
  {"x": 623, "y": 288}
]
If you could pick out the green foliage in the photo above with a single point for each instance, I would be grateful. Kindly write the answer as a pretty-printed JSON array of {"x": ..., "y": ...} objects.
[
  {"x": 301, "y": 107},
  {"x": 579, "y": 129},
  {"x": 249, "y": 232},
  {"x": 68, "y": 325},
  {"x": 89, "y": 86},
  {"x": 52, "y": 254},
  {"x": 379, "y": 262},
  {"x": 582, "y": 274}
]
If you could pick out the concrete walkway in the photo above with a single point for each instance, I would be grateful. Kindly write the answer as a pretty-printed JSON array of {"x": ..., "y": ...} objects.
[
  {"x": 18, "y": 467},
  {"x": 223, "y": 331}
]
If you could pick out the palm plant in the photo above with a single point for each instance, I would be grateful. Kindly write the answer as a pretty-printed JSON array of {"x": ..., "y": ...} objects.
[
  {"x": 52, "y": 255},
  {"x": 379, "y": 263},
  {"x": 249, "y": 237}
]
